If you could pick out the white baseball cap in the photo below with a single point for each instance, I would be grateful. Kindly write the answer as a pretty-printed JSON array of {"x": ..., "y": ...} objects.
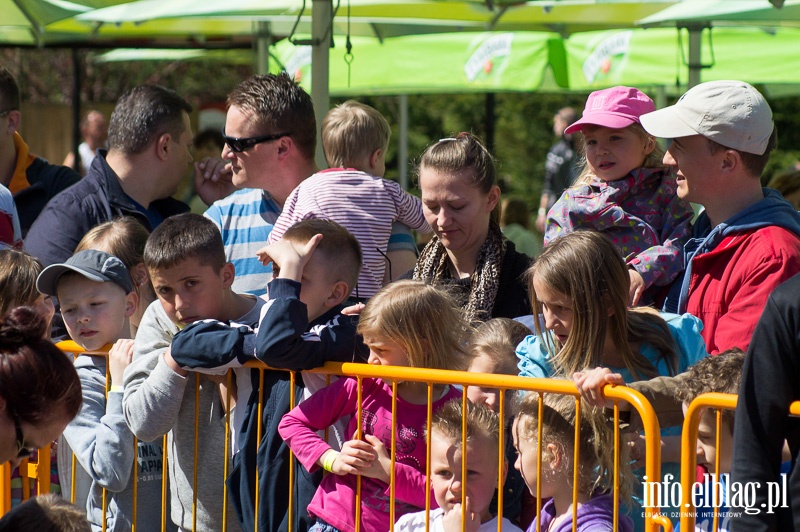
[{"x": 731, "y": 113}]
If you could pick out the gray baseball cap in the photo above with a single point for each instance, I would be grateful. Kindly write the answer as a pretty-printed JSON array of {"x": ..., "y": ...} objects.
[
  {"x": 94, "y": 265},
  {"x": 731, "y": 113}
]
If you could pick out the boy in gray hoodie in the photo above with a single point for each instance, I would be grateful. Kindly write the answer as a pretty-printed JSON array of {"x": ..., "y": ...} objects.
[
  {"x": 186, "y": 262},
  {"x": 97, "y": 298}
]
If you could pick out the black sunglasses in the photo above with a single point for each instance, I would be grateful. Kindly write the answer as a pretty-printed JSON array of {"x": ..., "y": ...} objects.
[
  {"x": 240, "y": 144},
  {"x": 22, "y": 451}
]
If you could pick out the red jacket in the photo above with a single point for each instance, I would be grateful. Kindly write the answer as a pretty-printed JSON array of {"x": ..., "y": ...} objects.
[{"x": 730, "y": 284}]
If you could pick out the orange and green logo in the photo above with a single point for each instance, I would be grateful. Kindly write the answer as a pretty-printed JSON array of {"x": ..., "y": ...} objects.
[
  {"x": 488, "y": 57},
  {"x": 605, "y": 57}
]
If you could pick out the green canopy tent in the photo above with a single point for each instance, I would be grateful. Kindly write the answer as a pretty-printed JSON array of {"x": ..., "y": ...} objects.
[
  {"x": 658, "y": 58},
  {"x": 463, "y": 62},
  {"x": 383, "y": 17},
  {"x": 727, "y": 13},
  {"x": 698, "y": 15}
]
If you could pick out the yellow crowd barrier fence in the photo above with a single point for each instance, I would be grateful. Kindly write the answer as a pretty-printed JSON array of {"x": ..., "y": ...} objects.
[
  {"x": 717, "y": 402},
  {"x": 503, "y": 383}
]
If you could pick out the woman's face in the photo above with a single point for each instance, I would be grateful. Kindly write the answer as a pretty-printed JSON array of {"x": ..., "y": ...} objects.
[
  {"x": 456, "y": 210},
  {"x": 34, "y": 436}
]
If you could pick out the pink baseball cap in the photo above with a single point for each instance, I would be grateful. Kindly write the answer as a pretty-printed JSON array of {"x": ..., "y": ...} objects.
[{"x": 617, "y": 107}]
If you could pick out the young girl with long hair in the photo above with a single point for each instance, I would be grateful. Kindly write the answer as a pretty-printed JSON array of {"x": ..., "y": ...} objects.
[
  {"x": 579, "y": 288},
  {"x": 407, "y": 323},
  {"x": 626, "y": 192},
  {"x": 596, "y": 489}
]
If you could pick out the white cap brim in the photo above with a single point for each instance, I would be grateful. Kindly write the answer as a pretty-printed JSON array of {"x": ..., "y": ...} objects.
[{"x": 666, "y": 124}]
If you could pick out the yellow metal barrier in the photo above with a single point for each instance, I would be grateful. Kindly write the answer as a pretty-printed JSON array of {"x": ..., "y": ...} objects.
[
  {"x": 694, "y": 412},
  {"x": 504, "y": 383}
]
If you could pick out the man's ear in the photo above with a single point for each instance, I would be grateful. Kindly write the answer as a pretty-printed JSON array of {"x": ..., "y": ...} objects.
[
  {"x": 227, "y": 274},
  {"x": 131, "y": 303},
  {"x": 339, "y": 293},
  {"x": 731, "y": 161},
  {"x": 285, "y": 146},
  {"x": 163, "y": 146}
]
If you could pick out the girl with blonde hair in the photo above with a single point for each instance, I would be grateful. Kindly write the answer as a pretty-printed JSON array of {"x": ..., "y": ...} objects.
[
  {"x": 407, "y": 323},
  {"x": 626, "y": 192}
]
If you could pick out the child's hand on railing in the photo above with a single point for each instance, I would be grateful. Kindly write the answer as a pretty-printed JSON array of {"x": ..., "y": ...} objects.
[
  {"x": 590, "y": 384},
  {"x": 119, "y": 358}
]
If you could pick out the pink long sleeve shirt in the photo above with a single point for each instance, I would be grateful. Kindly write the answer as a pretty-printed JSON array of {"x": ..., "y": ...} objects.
[{"x": 334, "y": 501}]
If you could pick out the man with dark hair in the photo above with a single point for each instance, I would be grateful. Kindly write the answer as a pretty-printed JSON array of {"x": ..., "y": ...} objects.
[
  {"x": 31, "y": 179},
  {"x": 747, "y": 240},
  {"x": 270, "y": 139},
  {"x": 149, "y": 141}
]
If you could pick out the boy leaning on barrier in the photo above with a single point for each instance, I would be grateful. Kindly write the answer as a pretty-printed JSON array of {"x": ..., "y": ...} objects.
[
  {"x": 315, "y": 267},
  {"x": 186, "y": 262},
  {"x": 97, "y": 297}
]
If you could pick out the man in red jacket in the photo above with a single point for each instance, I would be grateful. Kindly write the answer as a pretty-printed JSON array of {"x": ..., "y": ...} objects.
[{"x": 747, "y": 240}]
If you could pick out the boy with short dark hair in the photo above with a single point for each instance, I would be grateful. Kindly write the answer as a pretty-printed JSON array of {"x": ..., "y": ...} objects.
[
  {"x": 352, "y": 192},
  {"x": 315, "y": 266},
  {"x": 186, "y": 262}
]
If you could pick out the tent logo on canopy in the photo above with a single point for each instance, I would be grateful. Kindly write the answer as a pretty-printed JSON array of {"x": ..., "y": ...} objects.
[
  {"x": 482, "y": 60},
  {"x": 599, "y": 62}
]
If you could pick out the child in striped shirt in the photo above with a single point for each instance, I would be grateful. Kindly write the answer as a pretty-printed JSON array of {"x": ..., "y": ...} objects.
[{"x": 352, "y": 191}]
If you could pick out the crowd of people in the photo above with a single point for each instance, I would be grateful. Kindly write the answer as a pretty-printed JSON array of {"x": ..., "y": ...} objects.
[{"x": 296, "y": 266}]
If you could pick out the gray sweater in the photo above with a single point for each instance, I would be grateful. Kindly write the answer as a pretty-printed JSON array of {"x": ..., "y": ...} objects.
[
  {"x": 103, "y": 445},
  {"x": 158, "y": 401}
]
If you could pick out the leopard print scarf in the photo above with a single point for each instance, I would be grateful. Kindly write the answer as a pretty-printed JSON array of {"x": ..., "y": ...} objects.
[{"x": 433, "y": 265}]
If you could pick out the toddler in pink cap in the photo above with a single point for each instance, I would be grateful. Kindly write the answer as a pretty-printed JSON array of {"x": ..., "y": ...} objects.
[{"x": 625, "y": 192}]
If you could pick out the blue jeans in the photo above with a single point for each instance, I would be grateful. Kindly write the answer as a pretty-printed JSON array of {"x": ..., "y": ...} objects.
[{"x": 322, "y": 526}]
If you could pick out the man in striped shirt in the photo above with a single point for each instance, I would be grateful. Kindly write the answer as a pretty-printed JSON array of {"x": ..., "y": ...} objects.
[{"x": 270, "y": 139}]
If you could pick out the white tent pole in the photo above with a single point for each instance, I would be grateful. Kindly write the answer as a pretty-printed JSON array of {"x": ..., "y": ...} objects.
[
  {"x": 263, "y": 40},
  {"x": 695, "y": 63},
  {"x": 321, "y": 13},
  {"x": 402, "y": 148}
]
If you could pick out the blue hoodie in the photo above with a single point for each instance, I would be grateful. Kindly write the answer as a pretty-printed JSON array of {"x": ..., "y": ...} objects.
[{"x": 773, "y": 210}]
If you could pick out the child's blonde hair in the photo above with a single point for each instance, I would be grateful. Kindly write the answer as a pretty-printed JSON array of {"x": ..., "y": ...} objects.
[
  {"x": 653, "y": 160},
  {"x": 588, "y": 268},
  {"x": 18, "y": 273},
  {"x": 423, "y": 319},
  {"x": 596, "y": 442},
  {"x": 498, "y": 339},
  {"x": 340, "y": 250},
  {"x": 125, "y": 238},
  {"x": 480, "y": 421},
  {"x": 352, "y": 132}
]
